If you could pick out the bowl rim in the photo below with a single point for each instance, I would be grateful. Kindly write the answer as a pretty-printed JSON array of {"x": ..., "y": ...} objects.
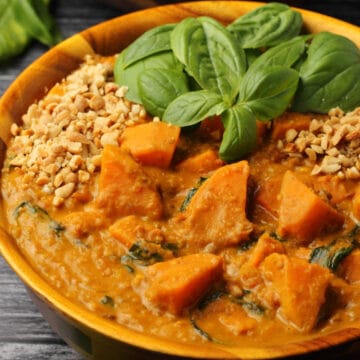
[{"x": 17, "y": 261}]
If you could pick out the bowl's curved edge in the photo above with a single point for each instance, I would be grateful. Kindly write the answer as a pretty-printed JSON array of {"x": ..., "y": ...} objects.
[{"x": 49, "y": 70}]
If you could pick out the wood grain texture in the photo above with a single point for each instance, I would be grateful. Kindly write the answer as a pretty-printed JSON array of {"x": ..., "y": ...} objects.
[{"x": 23, "y": 332}]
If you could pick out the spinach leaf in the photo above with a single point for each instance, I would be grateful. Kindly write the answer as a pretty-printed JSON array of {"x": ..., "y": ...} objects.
[
  {"x": 329, "y": 256},
  {"x": 327, "y": 75},
  {"x": 107, "y": 300},
  {"x": 191, "y": 193},
  {"x": 266, "y": 26},
  {"x": 268, "y": 91},
  {"x": 42, "y": 213},
  {"x": 22, "y": 20},
  {"x": 239, "y": 137},
  {"x": 193, "y": 107},
  {"x": 159, "y": 87},
  {"x": 129, "y": 76},
  {"x": 152, "y": 42},
  {"x": 210, "y": 55},
  {"x": 202, "y": 332}
]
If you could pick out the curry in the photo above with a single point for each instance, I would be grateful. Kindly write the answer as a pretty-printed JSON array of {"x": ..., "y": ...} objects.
[{"x": 152, "y": 229}]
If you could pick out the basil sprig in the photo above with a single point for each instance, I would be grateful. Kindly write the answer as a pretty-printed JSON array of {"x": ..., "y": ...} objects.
[
  {"x": 248, "y": 71},
  {"x": 23, "y": 20}
]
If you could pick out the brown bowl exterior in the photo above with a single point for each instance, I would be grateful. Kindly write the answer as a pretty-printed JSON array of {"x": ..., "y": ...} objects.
[{"x": 94, "y": 337}]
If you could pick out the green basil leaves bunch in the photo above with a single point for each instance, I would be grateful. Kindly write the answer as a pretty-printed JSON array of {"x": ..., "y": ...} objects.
[
  {"x": 198, "y": 69},
  {"x": 23, "y": 20}
]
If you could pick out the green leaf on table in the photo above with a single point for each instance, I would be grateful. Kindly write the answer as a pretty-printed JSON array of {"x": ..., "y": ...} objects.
[
  {"x": 266, "y": 26},
  {"x": 193, "y": 107},
  {"x": 328, "y": 76},
  {"x": 210, "y": 55},
  {"x": 239, "y": 137},
  {"x": 21, "y": 21}
]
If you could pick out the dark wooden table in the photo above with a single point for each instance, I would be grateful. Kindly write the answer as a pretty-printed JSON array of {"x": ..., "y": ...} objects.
[{"x": 24, "y": 334}]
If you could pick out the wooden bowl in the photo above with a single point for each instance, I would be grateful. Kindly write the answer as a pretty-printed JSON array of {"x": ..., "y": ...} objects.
[{"x": 92, "y": 335}]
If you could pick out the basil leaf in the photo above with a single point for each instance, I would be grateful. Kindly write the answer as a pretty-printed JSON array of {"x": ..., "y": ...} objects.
[
  {"x": 210, "y": 55},
  {"x": 239, "y": 137},
  {"x": 129, "y": 76},
  {"x": 327, "y": 76},
  {"x": 159, "y": 87},
  {"x": 266, "y": 26},
  {"x": 193, "y": 107},
  {"x": 286, "y": 54},
  {"x": 150, "y": 43},
  {"x": 268, "y": 91}
]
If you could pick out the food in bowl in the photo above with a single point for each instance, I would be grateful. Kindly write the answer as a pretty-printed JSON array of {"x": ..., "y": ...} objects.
[{"x": 164, "y": 227}]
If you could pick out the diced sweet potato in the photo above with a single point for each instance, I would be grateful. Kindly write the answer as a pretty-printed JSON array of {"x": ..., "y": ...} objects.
[
  {"x": 216, "y": 214},
  {"x": 300, "y": 287},
  {"x": 201, "y": 163},
  {"x": 174, "y": 285},
  {"x": 131, "y": 229},
  {"x": 265, "y": 246},
  {"x": 152, "y": 143},
  {"x": 304, "y": 215},
  {"x": 349, "y": 268},
  {"x": 124, "y": 189},
  {"x": 356, "y": 202},
  {"x": 82, "y": 223},
  {"x": 212, "y": 127},
  {"x": 237, "y": 321},
  {"x": 267, "y": 195},
  {"x": 289, "y": 121}
]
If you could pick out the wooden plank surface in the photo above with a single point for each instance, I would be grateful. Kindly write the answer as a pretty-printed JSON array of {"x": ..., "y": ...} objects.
[{"x": 23, "y": 332}]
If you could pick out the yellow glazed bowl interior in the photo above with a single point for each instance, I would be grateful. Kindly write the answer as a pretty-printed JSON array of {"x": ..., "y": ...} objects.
[{"x": 94, "y": 336}]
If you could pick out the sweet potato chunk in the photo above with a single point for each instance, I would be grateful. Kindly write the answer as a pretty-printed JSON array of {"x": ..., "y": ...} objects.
[
  {"x": 299, "y": 286},
  {"x": 304, "y": 215},
  {"x": 289, "y": 121},
  {"x": 349, "y": 269},
  {"x": 152, "y": 143},
  {"x": 356, "y": 202},
  {"x": 267, "y": 195},
  {"x": 201, "y": 163},
  {"x": 124, "y": 189},
  {"x": 216, "y": 214},
  {"x": 174, "y": 285},
  {"x": 131, "y": 229},
  {"x": 265, "y": 246}
]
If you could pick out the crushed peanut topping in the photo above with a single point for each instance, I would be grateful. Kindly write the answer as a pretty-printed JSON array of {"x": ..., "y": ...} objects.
[
  {"x": 60, "y": 141},
  {"x": 332, "y": 145}
]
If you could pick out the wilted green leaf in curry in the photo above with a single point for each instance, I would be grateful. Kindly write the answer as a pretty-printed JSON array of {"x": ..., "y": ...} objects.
[
  {"x": 22, "y": 20},
  {"x": 329, "y": 76},
  {"x": 193, "y": 107},
  {"x": 210, "y": 55},
  {"x": 268, "y": 91},
  {"x": 240, "y": 133},
  {"x": 159, "y": 87},
  {"x": 266, "y": 26}
]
